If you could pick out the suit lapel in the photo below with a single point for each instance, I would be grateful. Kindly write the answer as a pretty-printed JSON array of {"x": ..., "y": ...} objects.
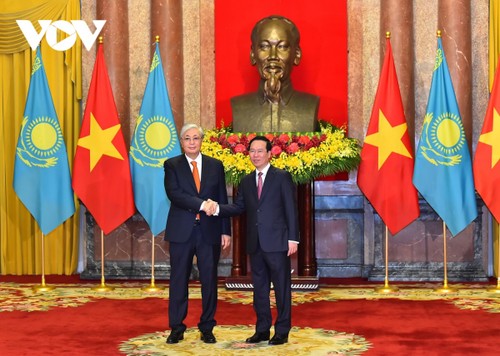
[
  {"x": 268, "y": 182},
  {"x": 253, "y": 185},
  {"x": 188, "y": 173},
  {"x": 204, "y": 173}
]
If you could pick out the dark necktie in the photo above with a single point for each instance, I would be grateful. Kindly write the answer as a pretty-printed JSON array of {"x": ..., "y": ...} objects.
[
  {"x": 259, "y": 185},
  {"x": 196, "y": 177}
]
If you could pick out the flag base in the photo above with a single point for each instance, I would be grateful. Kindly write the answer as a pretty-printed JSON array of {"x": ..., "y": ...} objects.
[
  {"x": 152, "y": 288},
  {"x": 41, "y": 288},
  {"x": 445, "y": 289},
  {"x": 494, "y": 290},
  {"x": 103, "y": 288},
  {"x": 386, "y": 289}
]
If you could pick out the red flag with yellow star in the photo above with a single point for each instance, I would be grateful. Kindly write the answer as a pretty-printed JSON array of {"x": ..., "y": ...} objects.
[
  {"x": 386, "y": 169},
  {"x": 101, "y": 171},
  {"x": 486, "y": 160}
]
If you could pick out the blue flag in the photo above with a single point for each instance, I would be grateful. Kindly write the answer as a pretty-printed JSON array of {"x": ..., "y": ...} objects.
[
  {"x": 42, "y": 180},
  {"x": 443, "y": 173},
  {"x": 154, "y": 141}
]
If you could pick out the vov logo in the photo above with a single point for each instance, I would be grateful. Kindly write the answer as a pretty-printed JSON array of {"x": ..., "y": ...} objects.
[{"x": 49, "y": 29}]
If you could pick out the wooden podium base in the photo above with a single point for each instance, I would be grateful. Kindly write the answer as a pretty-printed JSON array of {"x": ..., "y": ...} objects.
[{"x": 298, "y": 283}]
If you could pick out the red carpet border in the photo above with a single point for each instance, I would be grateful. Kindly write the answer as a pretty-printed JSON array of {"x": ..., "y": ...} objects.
[{"x": 346, "y": 320}]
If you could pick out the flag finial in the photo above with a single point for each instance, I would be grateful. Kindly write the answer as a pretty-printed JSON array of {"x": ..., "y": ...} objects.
[
  {"x": 438, "y": 33},
  {"x": 388, "y": 34},
  {"x": 157, "y": 39},
  {"x": 101, "y": 40}
]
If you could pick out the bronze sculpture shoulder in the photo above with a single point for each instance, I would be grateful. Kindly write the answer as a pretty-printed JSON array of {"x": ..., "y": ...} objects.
[{"x": 251, "y": 113}]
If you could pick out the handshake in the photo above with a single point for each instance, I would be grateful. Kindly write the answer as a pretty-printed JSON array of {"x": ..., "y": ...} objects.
[{"x": 210, "y": 207}]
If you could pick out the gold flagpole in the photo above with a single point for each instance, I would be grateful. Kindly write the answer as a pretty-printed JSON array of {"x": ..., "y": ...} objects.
[
  {"x": 43, "y": 287},
  {"x": 497, "y": 288},
  {"x": 445, "y": 288},
  {"x": 102, "y": 287},
  {"x": 386, "y": 288},
  {"x": 152, "y": 287}
]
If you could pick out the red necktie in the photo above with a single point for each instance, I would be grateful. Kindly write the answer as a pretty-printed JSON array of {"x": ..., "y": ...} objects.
[
  {"x": 259, "y": 185},
  {"x": 196, "y": 177}
]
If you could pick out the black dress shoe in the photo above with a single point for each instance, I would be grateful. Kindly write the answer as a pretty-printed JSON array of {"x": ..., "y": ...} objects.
[
  {"x": 278, "y": 339},
  {"x": 258, "y": 337},
  {"x": 207, "y": 337},
  {"x": 175, "y": 336}
]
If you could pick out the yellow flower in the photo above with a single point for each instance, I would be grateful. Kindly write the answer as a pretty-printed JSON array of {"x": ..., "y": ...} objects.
[{"x": 305, "y": 155}]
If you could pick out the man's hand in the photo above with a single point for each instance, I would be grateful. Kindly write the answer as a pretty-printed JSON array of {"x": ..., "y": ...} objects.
[
  {"x": 292, "y": 248},
  {"x": 225, "y": 241},
  {"x": 210, "y": 207}
]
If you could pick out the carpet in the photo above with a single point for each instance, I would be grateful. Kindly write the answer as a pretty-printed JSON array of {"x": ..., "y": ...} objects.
[{"x": 74, "y": 319}]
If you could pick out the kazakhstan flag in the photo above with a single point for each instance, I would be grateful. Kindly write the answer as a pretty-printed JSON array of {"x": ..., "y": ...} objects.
[
  {"x": 42, "y": 180},
  {"x": 154, "y": 141},
  {"x": 443, "y": 173}
]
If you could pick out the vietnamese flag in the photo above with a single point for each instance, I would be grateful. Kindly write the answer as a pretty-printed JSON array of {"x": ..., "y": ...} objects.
[
  {"x": 386, "y": 169},
  {"x": 101, "y": 170},
  {"x": 486, "y": 167}
]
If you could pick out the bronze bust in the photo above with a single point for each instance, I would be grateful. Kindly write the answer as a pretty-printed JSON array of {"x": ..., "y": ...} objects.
[{"x": 276, "y": 106}]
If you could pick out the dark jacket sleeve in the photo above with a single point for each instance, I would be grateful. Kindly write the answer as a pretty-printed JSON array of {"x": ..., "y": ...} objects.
[
  {"x": 226, "y": 224},
  {"x": 238, "y": 206}
]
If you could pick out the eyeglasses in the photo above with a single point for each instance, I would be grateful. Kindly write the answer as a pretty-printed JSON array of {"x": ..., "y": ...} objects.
[{"x": 194, "y": 139}]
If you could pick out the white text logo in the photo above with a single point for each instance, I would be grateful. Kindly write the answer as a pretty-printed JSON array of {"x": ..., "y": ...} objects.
[{"x": 49, "y": 29}]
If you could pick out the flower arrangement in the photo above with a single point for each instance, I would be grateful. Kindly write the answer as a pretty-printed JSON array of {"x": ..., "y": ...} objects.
[{"x": 305, "y": 155}]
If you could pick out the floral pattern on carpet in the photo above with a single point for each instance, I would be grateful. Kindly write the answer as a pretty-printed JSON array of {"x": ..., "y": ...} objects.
[
  {"x": 22, "y": 297},
  {"x": 230, "y": 341}
]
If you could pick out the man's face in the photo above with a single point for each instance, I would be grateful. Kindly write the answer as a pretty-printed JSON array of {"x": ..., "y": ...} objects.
[
  {"x": 259, "y": 155},
  {"x": 274, "y": 50},
  {"x": 191, "y": 142}
]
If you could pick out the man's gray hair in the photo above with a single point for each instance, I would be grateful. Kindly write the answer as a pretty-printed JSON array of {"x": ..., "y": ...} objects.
[{"x": 187, "y": 127}]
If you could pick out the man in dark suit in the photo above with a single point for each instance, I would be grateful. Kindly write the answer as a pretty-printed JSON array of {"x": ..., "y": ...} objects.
[
  {"x": 190, "y": 180},
  {"x": 268, "y": 197}
]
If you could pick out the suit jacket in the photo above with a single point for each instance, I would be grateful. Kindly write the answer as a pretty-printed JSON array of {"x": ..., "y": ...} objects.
[
  {"x": 272, "y": 220},
  {"x": 186, "y": 201}
]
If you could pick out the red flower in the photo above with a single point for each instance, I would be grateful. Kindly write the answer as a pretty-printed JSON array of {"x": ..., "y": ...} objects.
[
  {"x": 251, "y": 136},
  {"x": 233, "y": 139},
  {"x": 294, "y": 147},
  {"x": 269, "y": 136},
  {"x": 239, "y": 148},
  {"x": 304, "y": 140},
  {"x": 284, "y": 138},
  {"x": 244, "y": 140},
  {"x": 276, "y": 150},
  {"x": 309, "y": 146},
  {"x": 222, "y": 138},
  {"x": 223, "y": 141}
]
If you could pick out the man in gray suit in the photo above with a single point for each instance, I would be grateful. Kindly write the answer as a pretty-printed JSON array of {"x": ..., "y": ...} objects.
[{"x": 268, "y": 197}]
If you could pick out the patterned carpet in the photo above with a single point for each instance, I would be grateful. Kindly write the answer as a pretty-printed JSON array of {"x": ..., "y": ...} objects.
[
  {"x": 313, "y": 341},
  {"x": 22, "y": 297}
]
